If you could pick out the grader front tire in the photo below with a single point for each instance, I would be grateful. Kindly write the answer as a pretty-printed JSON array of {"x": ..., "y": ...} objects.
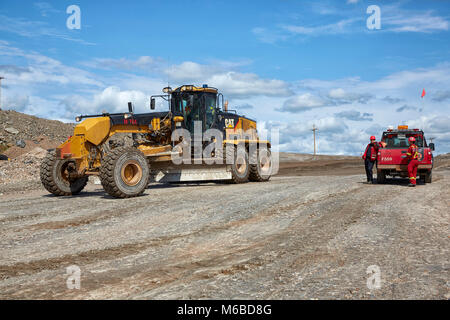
[
  {"x": 54, "y": 176},
  {"x": 124, "y": 172}
]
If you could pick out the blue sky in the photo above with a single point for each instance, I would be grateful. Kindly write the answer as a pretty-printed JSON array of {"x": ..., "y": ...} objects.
[{"x": 287, "y": 63}]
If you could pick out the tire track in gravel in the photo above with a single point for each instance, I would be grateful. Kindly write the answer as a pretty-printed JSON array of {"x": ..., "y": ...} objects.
[
  {"x": 83, "y": 258},
  {"x": 262, "y": 253},
  {"x": 308, "y": 234},
  {"x": 220, "y": 249}
]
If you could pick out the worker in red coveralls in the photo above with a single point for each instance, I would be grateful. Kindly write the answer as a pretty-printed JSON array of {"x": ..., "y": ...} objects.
[
  {"x": 413, "y": 162},
  {"x": 370, "y": 157}
]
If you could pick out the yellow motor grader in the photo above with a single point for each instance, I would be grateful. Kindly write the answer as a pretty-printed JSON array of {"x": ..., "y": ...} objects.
[{"x": 165, "y": 147}]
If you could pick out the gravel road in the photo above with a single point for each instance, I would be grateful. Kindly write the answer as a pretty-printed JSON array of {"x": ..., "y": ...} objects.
[{"x": 298, "y": 237}]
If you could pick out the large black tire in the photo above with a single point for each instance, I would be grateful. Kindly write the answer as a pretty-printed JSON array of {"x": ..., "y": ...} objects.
[
  {"x": 381, "y": 176},
  {"x": 240, "y": 166},
  {"x": 54, "y": 177},
  {"x": 260, "y": 165},
  {"x": 428, "y": 177},
  {"x": 124, "y": 172}
]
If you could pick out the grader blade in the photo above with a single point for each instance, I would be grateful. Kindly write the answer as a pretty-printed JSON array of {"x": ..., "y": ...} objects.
[{"x": 185, "y": 173}]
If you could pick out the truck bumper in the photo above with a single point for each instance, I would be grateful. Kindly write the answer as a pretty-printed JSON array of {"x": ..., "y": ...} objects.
[{"x": 402, "y": 167}]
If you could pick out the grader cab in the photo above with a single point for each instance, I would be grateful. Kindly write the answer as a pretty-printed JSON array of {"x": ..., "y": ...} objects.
[{"x": 197, "y": 139}]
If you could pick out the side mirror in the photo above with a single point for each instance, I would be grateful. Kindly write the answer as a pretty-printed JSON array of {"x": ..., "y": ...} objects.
[
  {"x": 152, "y": 104},
  {"x": 431, "y": 145}
]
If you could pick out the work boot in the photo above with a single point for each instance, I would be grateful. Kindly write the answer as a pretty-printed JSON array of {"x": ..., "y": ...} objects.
[{"x": 411, "y": 185}]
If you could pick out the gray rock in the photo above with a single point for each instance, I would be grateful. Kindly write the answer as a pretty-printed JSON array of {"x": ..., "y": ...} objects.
[
  {"x": 12, "y": 130},
  {"x": 21, "y": 143}
]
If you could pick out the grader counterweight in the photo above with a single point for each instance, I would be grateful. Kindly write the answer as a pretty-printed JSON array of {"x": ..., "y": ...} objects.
[{"x": 230, "y": 148}]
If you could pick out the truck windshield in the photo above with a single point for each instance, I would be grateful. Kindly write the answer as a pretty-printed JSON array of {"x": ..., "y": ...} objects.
[{"x": 400, "y": 140}]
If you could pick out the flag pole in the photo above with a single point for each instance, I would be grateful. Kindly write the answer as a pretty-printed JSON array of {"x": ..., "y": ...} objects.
[{"x": 423, "y": 107}]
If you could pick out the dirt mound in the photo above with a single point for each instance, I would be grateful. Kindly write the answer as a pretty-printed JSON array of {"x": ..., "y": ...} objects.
[
  {"x": 22, "y": 168},
  {"x": 40, "y": 142},
  {"x": 442, "y": 161},
  {"x": 16, "y": 128}
]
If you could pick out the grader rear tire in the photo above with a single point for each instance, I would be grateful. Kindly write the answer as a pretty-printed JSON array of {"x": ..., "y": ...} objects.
[
  {"x": 260, "y": 165},
  {"x": 240, "y": 166},
  {"x": 124, "y": 172},
  {"x": 54, "y": 176}
]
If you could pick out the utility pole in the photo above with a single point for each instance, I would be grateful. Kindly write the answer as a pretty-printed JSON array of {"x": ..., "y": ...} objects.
[
  {"x": 314, "y": 129},
  {"x": 1, "y": 92}
]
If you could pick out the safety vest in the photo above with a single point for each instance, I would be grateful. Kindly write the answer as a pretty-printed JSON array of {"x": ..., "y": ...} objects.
[
  {"x": 412, "y": 152},
  {"x": 373, "y": 151}
]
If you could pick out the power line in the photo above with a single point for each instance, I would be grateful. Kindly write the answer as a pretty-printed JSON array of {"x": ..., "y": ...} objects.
[{"x": 314, "y": 129}]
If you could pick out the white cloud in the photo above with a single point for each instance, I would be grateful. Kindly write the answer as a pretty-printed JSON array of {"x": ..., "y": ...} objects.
[
  {"x": 354, "y": 115},
  {"x": 341, "y": 96},
  {"x": 342, "y": 26},
  {"x": 270, "y": 36},
  {"x": 111, "y": 100},
  {"x": 410, "y": 22},
  {"x": 303, "y": 102},
  {"x": 143, "y": 63},
  {"x": 232, "y": 83},
  {"x": 442, "y": 95},
  {"x": 406, "y": 107},
  {"x": 34, "y": 29},
  {"x": 42, "y": 69},
  {"x": 394, "y": 18},
  {"x": 45, "y": 8},
  {"x": 437, "y": 127}
]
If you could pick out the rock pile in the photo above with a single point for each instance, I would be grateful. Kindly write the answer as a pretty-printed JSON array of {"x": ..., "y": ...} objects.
[{"x": 23, "y": 168}]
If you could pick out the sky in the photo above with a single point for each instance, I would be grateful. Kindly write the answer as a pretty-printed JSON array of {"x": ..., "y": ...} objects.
[{"x": 288, "y": 64}]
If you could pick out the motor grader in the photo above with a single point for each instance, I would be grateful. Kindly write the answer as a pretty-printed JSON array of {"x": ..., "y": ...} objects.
[{"x": 235, "y": 152}]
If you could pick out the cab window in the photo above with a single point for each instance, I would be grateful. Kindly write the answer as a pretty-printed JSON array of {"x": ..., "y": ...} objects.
[
  {"x": 210, "y": 105},
  {"x": 399, "y": 141}
]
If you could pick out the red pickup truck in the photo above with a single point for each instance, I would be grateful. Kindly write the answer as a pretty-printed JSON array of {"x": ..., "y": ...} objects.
[{"x": 392, "y": 160}]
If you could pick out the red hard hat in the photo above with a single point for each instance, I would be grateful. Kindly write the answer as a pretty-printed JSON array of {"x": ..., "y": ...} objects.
[
  {"x": 412, "y": 139},
  {"x": 373, "y": 138}
]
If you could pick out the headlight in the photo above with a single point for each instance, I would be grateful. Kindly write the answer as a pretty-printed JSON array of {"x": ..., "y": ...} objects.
[
  {"x": 127, "y": 115},
  {"x": 78, "y": 119}
]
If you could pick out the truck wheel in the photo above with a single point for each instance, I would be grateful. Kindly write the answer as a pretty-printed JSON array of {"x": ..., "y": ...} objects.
[
  {"x": 260, "y": 165},
  {"x": 124, "y": 172},
  {"x": 55, "y": 177},
  {"x": 381, "y": 176},
  {"x": 240, "y": 167},
  {"x": 428, "y": 177}
]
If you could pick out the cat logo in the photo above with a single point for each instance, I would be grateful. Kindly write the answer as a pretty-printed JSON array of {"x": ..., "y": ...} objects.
[{"x": 229, "y": 123}]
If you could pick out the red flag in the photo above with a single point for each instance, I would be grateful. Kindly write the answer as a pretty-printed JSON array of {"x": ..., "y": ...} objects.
[{"x": 423, "y": 93}]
